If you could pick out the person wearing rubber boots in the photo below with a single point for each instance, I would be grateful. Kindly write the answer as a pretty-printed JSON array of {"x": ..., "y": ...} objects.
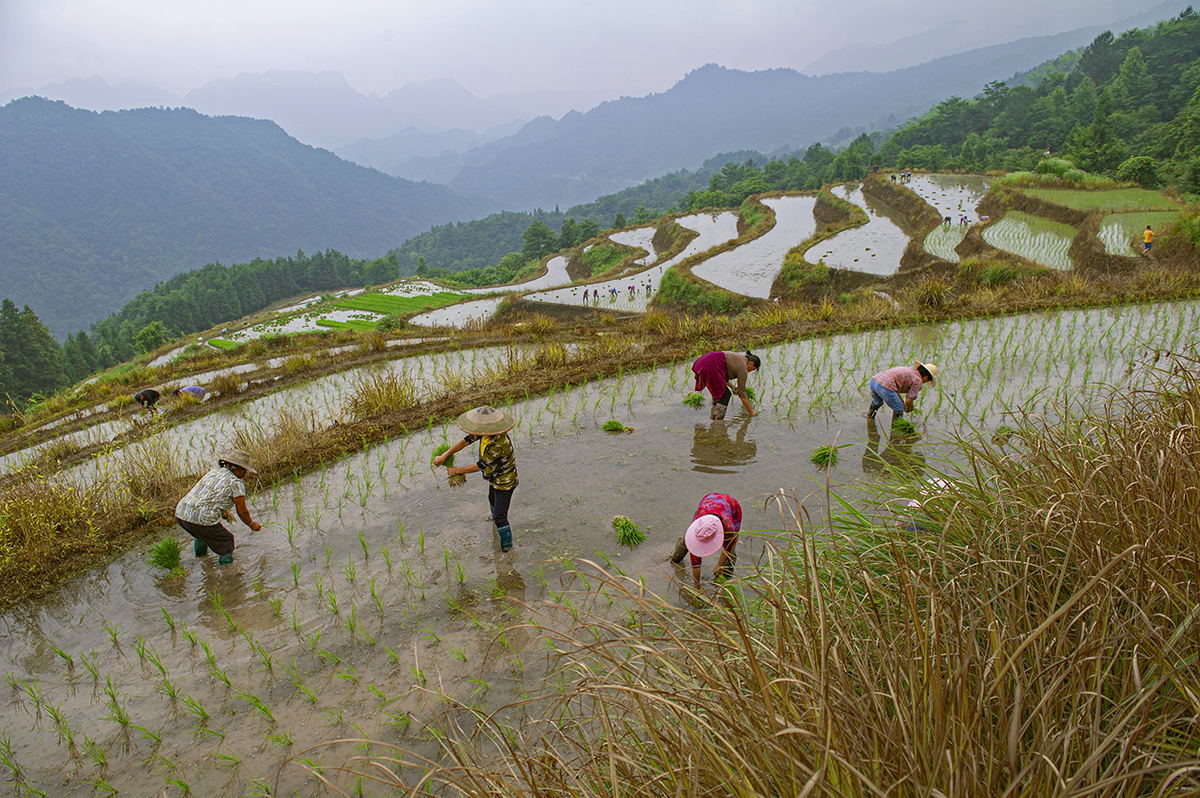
[
  {"x": 496, "y": 462},
  {"x": 220, "y": 490},
  {"x": 714, "y": 371}
]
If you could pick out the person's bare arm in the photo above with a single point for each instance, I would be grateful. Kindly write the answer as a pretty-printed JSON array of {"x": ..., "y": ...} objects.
[
  {"x": 467, "y": 469},
  {"x": 244, "y": 513}
]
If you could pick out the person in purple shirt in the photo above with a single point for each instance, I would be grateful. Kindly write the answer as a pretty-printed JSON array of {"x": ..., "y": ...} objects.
[
  {"x": 888, "y": 386},
  {"x": 195, "y": 391}
]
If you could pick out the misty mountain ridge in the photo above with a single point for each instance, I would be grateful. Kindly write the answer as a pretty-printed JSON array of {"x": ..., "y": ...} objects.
[{"x": 96, "y": 207}]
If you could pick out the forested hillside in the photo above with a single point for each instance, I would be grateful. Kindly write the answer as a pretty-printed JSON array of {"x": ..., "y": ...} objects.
[{"x": 96, "y": 207}]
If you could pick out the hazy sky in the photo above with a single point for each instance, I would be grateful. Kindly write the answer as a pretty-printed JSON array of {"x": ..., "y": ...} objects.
[{"x": 617, "y": 47}]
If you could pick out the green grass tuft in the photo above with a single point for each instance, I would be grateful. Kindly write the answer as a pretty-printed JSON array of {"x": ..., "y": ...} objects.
[
  {"x": 628, "y": 533},
  {"x": 695, "y": 400},
  {"x": 166, "y": 554}
]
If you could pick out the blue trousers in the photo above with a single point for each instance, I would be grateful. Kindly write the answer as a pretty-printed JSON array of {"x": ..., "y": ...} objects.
[{"x": 881, "y": 396}]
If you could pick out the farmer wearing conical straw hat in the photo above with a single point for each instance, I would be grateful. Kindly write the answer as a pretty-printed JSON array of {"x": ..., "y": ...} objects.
[
  {"x": 489, "y": 426},
  {"x": 220, "y": 490},
  {"x": 888, "y": 386}
]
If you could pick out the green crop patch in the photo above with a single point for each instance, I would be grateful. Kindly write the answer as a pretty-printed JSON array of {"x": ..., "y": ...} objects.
[
  {"x": 1034, "y": 238},
  {"x": 401, "y": 305},
  {"x": 361, "y": 325},
  {"x": 1114, "y": 200}
]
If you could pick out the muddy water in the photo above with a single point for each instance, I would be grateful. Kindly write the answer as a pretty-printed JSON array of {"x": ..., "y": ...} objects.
[
  {"x": 714, "y": 230},
  {"x": 751, "y": 268},
  {"x": 294, "y": 627},
  {"x": 875, "y": 247},
  {"x": 954, "y": 197}
]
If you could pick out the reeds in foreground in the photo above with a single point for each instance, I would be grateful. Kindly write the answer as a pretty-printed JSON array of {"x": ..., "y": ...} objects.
[{"x": 1033, "y": 634}]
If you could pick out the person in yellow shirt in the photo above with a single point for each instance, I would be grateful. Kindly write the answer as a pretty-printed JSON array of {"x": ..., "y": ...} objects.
[{"x": 1148, "y": 239}]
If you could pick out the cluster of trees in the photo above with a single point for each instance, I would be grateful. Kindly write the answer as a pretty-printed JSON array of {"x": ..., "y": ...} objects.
[
  {"x": 1128, "y": 97},
  {"x": 31, "y": 361}
]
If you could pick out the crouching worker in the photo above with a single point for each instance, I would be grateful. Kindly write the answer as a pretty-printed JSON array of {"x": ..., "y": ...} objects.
[
  {"x": 714, "y": 371},
  {"x": 200, "y": 512},
  {"x": 888, "y": 386},
  {"x": 714, "y": 528},
  {"x": 496, "y": 461}
]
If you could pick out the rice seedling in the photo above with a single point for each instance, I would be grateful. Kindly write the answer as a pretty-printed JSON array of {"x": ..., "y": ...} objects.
[
  {"x": 91, "y": 665},
  {"x": 281, "y": 737},
  {"x": 167, "y": 619},
  {"x": 257, "y": 703},
  {"x": 112, "y": 628},
  {"x": 67, "y": 659},
  {"x": 825, "y": 456},
  {"x": 350, "y": 571},
  {"x": 229, "y": 758},
  {"x": 694, "y": 400},
  {"x": 455, "y": 481},
  {"x": 334, "y": 714},
  {"x": 94, "y": 750},
  {"x": 612, "y": 425},
  {"x": 628, "y": 533},
  {"x": 903, "y": 427}
]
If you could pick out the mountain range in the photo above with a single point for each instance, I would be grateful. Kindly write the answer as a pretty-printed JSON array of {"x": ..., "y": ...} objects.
[{"x": 95, "y": 207}]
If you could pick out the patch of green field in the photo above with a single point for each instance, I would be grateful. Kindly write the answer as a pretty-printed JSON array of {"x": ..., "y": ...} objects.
[
  {"x": 1034, "y": 238},
  {"x": 221, "y": 343},
  {"x": 1122, "y": 232},
  {"x": 1115, "y": 200},
  {"x": 401, "y": 305},
  {"x": 353, "y": 324},
  {"x": 942, "y": 240}
]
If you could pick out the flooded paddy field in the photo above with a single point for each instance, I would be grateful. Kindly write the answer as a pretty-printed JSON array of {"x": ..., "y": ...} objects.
[
  {"x": 714, "y": 229},
  {"x": 1122, "y": 232},
  {"x": 375, "y": 598},
  {"x": 1034, "y": 238},
  {"x": 875, "y": 248},
  {"x": 954, "y": 197},
  {"x": 751, "y": 268}
]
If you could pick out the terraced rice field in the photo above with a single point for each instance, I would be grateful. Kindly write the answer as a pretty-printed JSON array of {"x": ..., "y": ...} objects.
[
  {"x": 751, "y": 268},
  {"x": 1115, "y": 200},
  {"x": 1032, "y": 237},
  {"x": 374, "y": 598},
  {"x": 953, "y": 197},
  {"x": 1122, "y": 232},
  {"x": 875, "y": 248}
]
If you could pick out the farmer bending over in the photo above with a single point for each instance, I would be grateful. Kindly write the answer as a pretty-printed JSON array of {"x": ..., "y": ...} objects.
[
  {"x": 887, "y": 386},
  {"x": 496, "y": 461},
  {"x": 714, "y": 528},
  {"x": 201, "y": 510},
  {"x": 714, "y": 371},
  {"x": 148, "y": 399}
]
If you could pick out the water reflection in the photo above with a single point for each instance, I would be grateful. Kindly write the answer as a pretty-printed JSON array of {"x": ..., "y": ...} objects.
[
  {"x": 898, "y": 459},
  {"x": 715, "y": 451}
]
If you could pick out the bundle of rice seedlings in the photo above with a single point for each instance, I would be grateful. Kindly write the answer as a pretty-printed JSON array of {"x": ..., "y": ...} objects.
[
  {"x": 750, "y": 394},
  {"x": 695, "y": 400},
  {"x": 458, "y": 479},
  {"x": 165, "y": 554},
  {"x": 903, "y": 427},
  {"x": 628, "y": 533},
  {"x": 612, "y": 425},
  {"x": 1003, "y": 435},
  {"x": 825, "y": 456}
]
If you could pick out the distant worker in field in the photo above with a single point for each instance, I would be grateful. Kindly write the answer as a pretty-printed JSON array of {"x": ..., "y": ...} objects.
[
  {"x": 1147, "y": 240},
  {"x": 714, "y": 371},
  {"x": 888, "y": 386},
  {"x": 714, "y": 528},
  {"x": 496, "y": 461},
  {"x": 195, "y": 391},
  {"x": 220, "y": 490},
  {"x": 148, "y": 399}
]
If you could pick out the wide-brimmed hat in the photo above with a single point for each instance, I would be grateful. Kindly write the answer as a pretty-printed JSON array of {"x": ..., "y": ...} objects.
[
  {"x": 704, "y": 536},
  {"x": 485, "y": 420},
  {"x": 932, "y": 369},
  {"x": 238, "y": 458}
]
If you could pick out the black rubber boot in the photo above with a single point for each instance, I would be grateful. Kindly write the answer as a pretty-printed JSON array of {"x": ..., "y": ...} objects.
[{"x": 199, "y": 546}]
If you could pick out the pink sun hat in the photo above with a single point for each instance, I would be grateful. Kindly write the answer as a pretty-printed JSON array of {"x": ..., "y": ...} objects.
[{"x": 704, "y": 536}]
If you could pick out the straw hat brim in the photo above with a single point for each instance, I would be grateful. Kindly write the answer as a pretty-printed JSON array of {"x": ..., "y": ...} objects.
[
  {"x": 931, "y": 368},
  {"x": 238, "y": 458},
  {"x": 485, "y": 420}
]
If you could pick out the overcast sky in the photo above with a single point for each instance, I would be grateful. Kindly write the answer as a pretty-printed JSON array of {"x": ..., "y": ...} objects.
[{"x": 614, "y": 47}]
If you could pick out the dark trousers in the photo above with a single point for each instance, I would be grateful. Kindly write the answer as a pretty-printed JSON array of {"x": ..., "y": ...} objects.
[
  {"x": 499, "y": 500},
  {"x": 216, "y": 537}
]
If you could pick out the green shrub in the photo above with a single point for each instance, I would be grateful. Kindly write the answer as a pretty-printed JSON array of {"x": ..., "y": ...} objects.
[{"x": 1055, "y": 166}]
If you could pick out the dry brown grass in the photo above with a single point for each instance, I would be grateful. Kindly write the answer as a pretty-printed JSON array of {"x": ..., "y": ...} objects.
[
  {"x": 36, "y": 508},
  {"x": 378, "y": 392},
  {"x": 228, "y": 384},
  {"x": 284, "y": 443}
]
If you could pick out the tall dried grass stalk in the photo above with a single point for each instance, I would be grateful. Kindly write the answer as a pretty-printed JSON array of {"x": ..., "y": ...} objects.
[
  {"x": 288, "y": 440},
  {"x": 37, "y": 508}
]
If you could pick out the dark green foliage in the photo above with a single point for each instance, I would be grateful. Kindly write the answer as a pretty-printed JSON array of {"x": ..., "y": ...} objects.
[
  {"x": 30, "y": 359},
  {"x": 602, "y": 257},
  {"x": 676, "y": 289}
]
